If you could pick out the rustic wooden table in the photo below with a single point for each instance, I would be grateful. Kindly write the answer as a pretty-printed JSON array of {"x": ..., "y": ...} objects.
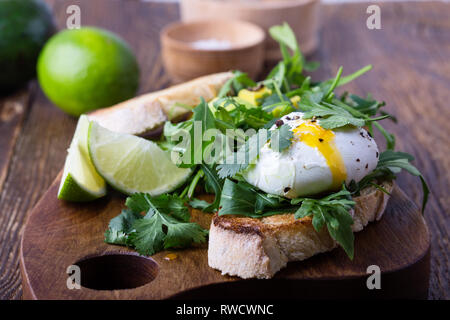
[{"x": 411, "y": 73}]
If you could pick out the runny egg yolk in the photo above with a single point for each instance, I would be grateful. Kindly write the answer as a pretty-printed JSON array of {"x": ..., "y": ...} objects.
[{"x": 315, "y": 136}]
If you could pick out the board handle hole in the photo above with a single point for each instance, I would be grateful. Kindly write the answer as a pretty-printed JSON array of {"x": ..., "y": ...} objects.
[{"x": 117, "y": 270}]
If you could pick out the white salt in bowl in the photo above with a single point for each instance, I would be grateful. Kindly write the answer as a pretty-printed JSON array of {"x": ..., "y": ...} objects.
[
  {"x": 194, "y": 49},
  {"x": 301, "y": 15}
]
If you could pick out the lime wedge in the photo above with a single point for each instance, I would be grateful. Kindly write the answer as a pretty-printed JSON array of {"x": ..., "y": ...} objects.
[
  {"x": 80, "y": 181},
  {"x": 132, "y": 164}
]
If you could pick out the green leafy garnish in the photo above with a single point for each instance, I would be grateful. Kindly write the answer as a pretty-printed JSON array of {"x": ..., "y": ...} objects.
[
  {"x": 241, "y": 198},
  {"x": 389, "y": 164},
  {"x": 246, "y": 154},
  {"x": 213, "y": 180},
  {"x": 281, "y": 138},
  {"x": 332, "y": 211},
  {"x": 239, "y": 81},
  {"x": 151, "y": 224},
  {"x": 331, "y": 116}
]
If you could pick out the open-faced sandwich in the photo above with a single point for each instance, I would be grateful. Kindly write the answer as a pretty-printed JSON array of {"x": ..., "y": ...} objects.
[{"x": 284, "y": 167}]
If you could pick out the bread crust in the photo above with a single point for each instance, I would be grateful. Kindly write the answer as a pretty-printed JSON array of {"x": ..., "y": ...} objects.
[
  {"x": 258, "y": 248},
  {"x": 149, "y": 111}
]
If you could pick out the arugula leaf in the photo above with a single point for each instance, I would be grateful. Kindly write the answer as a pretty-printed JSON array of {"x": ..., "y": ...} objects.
[
  {"x": 239, "y": 81},
  {"x": 285, "y": 36},
  {"x": 241, "y": 198},
  {"x": 331, "y": 116},
  {"x": 164, "y": 225},
  {"x": 396, "y": 161},
  {"x": 281, "y": 138},
  {"x": 292, "y": 64},
  {"x": 330, "y": 88},
  {"x": 332, "y": 211},
  {"x": 390, "y": 163},
  {"x": 242, "y": 114},
  {"x": 236, "y": 198},
  {"x": 353, "y": 76},
  {"x": 390, "y": 138},
  {"x": 196, "y": 146},
  {"x": 213, "y": 180},
  {"x": 367, "y": 106},
  {"x": 199, "y": 204}
]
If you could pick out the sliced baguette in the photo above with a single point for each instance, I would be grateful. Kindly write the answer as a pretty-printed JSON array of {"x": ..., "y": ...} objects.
[
  {"x": 258, "y": 248},
  {"x": 149, "y": 111}
]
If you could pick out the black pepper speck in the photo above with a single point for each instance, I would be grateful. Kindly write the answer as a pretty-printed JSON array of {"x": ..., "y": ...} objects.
[{"x": 279, "y": 123}]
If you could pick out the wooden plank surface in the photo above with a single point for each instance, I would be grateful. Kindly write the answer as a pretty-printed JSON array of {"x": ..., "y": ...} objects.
[{"x": 412, "y": 74}]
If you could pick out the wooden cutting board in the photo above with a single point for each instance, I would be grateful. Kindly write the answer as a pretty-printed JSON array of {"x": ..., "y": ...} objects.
[{"x": 59, "y": 234}]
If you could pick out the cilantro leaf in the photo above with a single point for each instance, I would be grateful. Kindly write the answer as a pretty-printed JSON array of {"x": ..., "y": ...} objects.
[
  {"x": 115, "y": 236},
  {"x": 165, "y": 224},
  {"x": 120, "y": 226},
  {"x": 281, "y": 138},
  {"x": 150, "y": 237},
  {"x": 168, "y": 204}
]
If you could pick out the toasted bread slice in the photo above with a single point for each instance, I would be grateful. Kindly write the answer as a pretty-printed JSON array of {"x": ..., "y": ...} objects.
[
  {"x": 149, "y": 111},
  {"x": 258, "y": 248}
]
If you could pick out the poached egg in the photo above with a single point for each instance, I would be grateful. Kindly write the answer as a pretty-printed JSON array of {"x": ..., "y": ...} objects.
[{"x": 318, "y": 159}]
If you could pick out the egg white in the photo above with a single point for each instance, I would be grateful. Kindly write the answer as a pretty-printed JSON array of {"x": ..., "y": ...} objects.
[{"x": 302, "y": 170}]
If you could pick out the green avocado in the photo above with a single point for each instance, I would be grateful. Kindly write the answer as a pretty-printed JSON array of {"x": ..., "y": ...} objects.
[{"x": 25, "y": 26}]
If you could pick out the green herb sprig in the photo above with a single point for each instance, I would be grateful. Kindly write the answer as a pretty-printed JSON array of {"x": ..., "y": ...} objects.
[{"x": 165, "y": 224}]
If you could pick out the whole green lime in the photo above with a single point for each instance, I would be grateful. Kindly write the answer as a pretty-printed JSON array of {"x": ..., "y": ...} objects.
[
  {"x": 88, "y": 68},
  {"x": 25, "y": 26}
]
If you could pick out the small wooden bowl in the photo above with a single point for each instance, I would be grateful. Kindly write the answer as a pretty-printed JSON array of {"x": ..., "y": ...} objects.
[
  {"x": 194, "y": 49},
  {"x": 301, "y": 15}
]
